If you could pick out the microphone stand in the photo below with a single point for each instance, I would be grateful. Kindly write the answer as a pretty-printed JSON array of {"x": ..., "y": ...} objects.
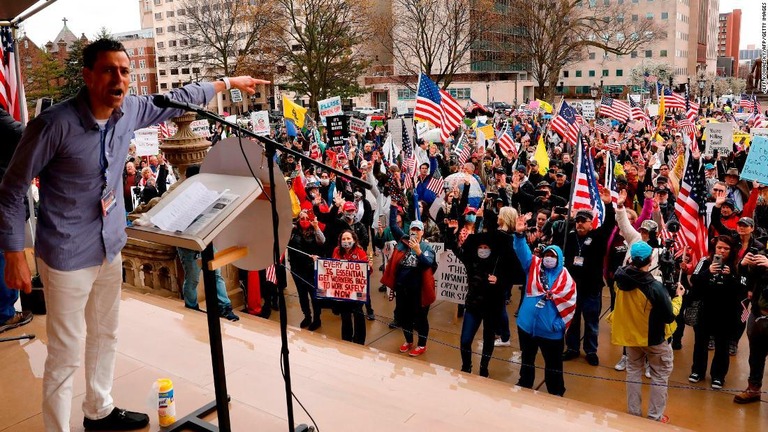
[{"x": 271, "y": 147}]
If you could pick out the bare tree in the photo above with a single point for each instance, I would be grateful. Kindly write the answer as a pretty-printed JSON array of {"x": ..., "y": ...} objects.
[
  {"x": 436, "y": 36},
  {"x": 225, "y": 37},
  {"x": 561, "y": 32},
  {"x": 320, "y": 47}
]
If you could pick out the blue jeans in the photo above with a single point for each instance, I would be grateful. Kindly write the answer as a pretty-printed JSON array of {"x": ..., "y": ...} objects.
[
  {"x": 192, "y": 280},
  {"x": 7, "y": 296},
  {"x": 503, "y": 327},
  {"x": 589, "y": 306},
  {"x": 469, "y": 329}
]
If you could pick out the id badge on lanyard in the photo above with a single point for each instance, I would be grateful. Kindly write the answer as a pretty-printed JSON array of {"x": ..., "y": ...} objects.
[{"x": 108, "y": 201}]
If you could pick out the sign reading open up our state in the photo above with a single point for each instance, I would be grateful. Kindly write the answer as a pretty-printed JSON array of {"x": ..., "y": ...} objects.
[{"x": 342, "y": 280}]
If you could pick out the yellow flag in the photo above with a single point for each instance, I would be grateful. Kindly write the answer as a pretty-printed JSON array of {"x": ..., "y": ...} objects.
[
  {"x": 546, "y": 106},
  {"x": 293, "y": 111},
  {"x": 487, "y": 131},
  {"x": 541, "y": 157},
  {"x": 661, "y": 115}
]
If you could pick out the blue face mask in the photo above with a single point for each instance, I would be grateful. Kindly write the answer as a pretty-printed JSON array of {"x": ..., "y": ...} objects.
[{"x": 470, "y": 218}]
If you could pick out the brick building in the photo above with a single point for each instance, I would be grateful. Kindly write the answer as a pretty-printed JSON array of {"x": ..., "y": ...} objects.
[
  {"x": 140, "y": 45},
  {"x": 728, "y": 35}
]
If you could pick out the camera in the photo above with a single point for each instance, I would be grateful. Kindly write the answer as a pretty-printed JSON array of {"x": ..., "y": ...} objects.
[{"x": 560, "y": 211}]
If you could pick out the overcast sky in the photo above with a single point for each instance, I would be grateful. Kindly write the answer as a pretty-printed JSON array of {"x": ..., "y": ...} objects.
[{"x": 88, "y": 16}]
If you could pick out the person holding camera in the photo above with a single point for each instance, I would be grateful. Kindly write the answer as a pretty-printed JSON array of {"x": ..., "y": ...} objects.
[
  {"x": 642, "y": 311},
  {"x": 715, "y": 284}
]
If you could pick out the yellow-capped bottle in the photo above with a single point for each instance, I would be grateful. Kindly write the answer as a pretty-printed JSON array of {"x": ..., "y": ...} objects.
[{"x": 166, "y": 408}]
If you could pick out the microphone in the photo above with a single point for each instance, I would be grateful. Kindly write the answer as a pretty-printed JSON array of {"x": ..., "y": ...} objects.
[{"x": 163, "y": 101}]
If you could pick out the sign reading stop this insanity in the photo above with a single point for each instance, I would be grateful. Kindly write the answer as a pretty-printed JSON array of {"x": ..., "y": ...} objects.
[{"x": 342, "y": 280}]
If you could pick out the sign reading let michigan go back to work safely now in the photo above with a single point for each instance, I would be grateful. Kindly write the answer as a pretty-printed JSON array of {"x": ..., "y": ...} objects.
[{"x": 342, "y": 280}]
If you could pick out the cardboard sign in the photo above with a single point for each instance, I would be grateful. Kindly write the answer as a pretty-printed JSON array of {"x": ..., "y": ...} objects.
[
  {"x": 588, "y": 109},
  {"x": 756, "y": 166},
  {"x": 421, "y": 129},
  {"x": 329, "y": 107},
  {"x": 438, "y": 248},
  {"x": 337, "y": 130},
  {"x": 720, "y": 138},
  {"x": 236, "y": 95},
  {"x": 260, "y": 122},
  {"x": 200, "y": 128},
  {"x": 758, "y": 132},
  {"x": 147, "y": 143},
  {"x": 373, "y": 121},
  {"x": 451, "y": 279},
  {"x": 402, "y": 107},
  {"x": 357, "y": 126},
  {"x": 342, "y": 280}
]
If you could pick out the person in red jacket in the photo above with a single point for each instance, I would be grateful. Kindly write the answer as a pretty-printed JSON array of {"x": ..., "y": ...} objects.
[{"x": 352, "y": 317}]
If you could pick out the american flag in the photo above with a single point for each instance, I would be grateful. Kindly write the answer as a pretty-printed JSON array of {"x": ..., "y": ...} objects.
[
  {"x": 565, "y": 123},
  {"x": 744, "y": 310},
  {"x": 163, "y": 130},
  {"x": 9, "y": 95},
  {"x": 451, "y": 115},
  {"x": 747, "y": 102},
  {"x": 603, "y": 126},
  {"x": 473, "y": 104},
  {"x": 664, "y": 234},
  {"x": 271, "y": 274},
  {"x": 463, "y": 149},
  {"x": 691, "y": 210},
  {"x": 428, "y": 101},
  {"x": 506, "y": 142},
  {"x": 586, "y": 195},
  {"x": 637, "y": 113},
  {"x": 614, "y": 108},
  {"x": 579, "y": 119},
  {"x": 409, "y": 159},
  {"x": 674, "y": 100},
  {"x": 687, "y": 126},
  {"x": 758, "y": 107},
  {"x": 436, "y": 185}
]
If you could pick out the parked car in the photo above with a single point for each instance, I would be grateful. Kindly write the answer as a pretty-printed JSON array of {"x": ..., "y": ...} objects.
[
  {"x": 369, "y": 110},
  {"x": 500, "y": 107}
]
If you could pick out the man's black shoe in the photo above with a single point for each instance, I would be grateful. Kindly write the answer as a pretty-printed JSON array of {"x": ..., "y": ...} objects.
[
  {"x": 570, "y": 355},
  {"x": 118, "y": 420},
  {"x": 592, "y": 359}
]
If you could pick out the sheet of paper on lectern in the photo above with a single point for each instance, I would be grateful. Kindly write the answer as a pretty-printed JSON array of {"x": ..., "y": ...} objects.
[{"x": 182, "y": 211}]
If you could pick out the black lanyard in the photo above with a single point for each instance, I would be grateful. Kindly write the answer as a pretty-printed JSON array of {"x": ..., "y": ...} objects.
[{"x": 103, "y": 161}]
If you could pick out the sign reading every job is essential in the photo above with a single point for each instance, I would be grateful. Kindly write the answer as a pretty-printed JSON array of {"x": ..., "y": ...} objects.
[{"x": 342, "y": 280}]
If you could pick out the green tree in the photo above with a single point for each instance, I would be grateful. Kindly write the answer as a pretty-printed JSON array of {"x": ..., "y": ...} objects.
[
  {"x": 320, "y": 47},
  {"x": 44, "y": 80},
  {"x": 73, "y": 70}
]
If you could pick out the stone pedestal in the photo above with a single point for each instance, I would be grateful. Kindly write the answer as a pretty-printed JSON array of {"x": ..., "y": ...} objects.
[{"x": 184, "y": 148}]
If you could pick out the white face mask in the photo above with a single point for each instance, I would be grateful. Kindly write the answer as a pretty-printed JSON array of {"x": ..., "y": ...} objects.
[
  {"x": 549, "y": 262},
  {"x": 324, "y": 181},
  {"x": 347, "y": 244},
  {"x": 483, "y": 253}
]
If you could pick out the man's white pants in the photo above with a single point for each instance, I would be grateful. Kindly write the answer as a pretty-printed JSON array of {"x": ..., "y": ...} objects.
[{"x": 80, "y": 303}]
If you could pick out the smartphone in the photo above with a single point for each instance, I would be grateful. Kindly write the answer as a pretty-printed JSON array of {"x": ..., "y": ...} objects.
[
  {"x": 413, "y": 237},
  {"x": 718, "y": 260},
  {"x": 753, "y": 250}
]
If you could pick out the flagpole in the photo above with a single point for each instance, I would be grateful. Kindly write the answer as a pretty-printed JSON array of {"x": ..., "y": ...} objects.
[{"x": 574, "y": 174}]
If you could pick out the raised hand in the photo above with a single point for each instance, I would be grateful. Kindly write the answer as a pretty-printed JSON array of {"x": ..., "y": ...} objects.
[
  {"x": 622, "y": 198},
  {"x": 521, "y": 225},
  {"x": 605, "y": 195}
]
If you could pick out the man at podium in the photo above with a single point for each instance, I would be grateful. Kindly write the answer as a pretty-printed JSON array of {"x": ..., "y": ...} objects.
[{"x": 78, "y": 149}]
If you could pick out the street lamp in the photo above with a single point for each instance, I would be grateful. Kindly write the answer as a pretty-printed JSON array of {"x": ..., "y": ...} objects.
[
  {"x": 487, "y": 93},
  {"x": 602, "y": 89},
  {"x": 670, "y": 81},
  {"x": 702, "y": 84},
  {"x": 712, "y": 94}
]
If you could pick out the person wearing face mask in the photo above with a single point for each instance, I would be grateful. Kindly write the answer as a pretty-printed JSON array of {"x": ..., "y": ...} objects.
[
  {"x": 342, "y": 216},
  {"x": 410, "y": 275},
  {"x": 306, "y": 241},
  {"x": 351, "y": 312},
  {"x": 548, "y": 307}
]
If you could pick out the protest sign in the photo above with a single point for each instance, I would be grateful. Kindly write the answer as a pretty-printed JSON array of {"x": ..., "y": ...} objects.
[
  {"x": 588, "y": 109},
  {"x": 450, "y": 279},
  {"x": 147, "y": 143},
  {"x": 357, "y": 125},
  {"x": 756, "y": 166},
  {"x": 329, "y": 107},
  {"x": 402, "y": 108},
  {"x": 758, "y": 132},
  {"x": 237, "y": 95},
  {"x": 421, "y": 129},
  {"x": 438, "y": 249},
  {"x": 337, "y": 130},
  {"x": 260, "y": 122},
  {"x": 373, "y": 121},
  {"x": 342, "y": 280},
  {"x": 200, "y": 128},
  {"x": 720, "y": 138}
]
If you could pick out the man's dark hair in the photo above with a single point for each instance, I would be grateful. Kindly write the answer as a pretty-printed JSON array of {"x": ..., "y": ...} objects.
[
  {"x": 424, "y": 165},
  {"x": 91, "y": 52}
]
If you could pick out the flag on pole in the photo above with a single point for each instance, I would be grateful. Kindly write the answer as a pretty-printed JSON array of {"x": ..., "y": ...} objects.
[
  {"x": 436, "y": 185},
  {"x": 452, "y": 114},
  {"x": 506, "y": 143},
  {"x": 294, "y": 111},
  {"x": 463, "y": 149},
  {"x": 673, "y": 100},
  {"x": 9, "y": 95},
  {"x": 610, "y": 177},
  {"x": 546, "y": 106},
  {"x": 541, "y": 156},
  {"x": 428, "y": 101},
  {"x": 691, "y": 210},
  {"x": 637, "y": 113},
  {"x": 586, "y": 195},
  {"x": 614, "y": 108},
  {"x": 747, "y": 102},
  {"x": 603, "y": 126},
  {"x": 565, "y": 123}
]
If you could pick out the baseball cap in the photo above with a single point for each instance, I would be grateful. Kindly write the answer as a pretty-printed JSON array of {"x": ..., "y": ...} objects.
[
  {"x": 746, "y": 221},
  {"x": 584, "y": 214},
  {"x": 543, "y": 184},
  {"x": 499, "y": 170},
  {"x": 349, "y": 207},
  {"x": 469, "y": 210},
  {"x": 709, "y": 166},
  {"x": 662, "y": 179},
  {"x": 649, "y": 225},
  {"x": 640, "y": 250},
  {"x": 417, "y": 224}
]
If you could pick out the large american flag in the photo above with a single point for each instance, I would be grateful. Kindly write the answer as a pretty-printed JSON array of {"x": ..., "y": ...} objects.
[
  {"x": 451, "y": 116},
  {"x": 428, "y": 101},
  {"x": 506, "y": 142},
  {"x": 691, "y": 210},
  {"x": 687, "y": 126},
  {"x": 565, "y": 123},
  {"x": 9, "y": 95},
  {"x": 586, "y": 195},
  {"x": 614, "y": 108},
  {"x": 674, "y": 100}
]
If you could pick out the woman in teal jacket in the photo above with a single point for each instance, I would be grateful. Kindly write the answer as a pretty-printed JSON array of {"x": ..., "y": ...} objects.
[{"x": 548, "y": 305}]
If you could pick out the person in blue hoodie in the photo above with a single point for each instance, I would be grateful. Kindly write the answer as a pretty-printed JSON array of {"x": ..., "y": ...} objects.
[{"x": 548, "y": 306}]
